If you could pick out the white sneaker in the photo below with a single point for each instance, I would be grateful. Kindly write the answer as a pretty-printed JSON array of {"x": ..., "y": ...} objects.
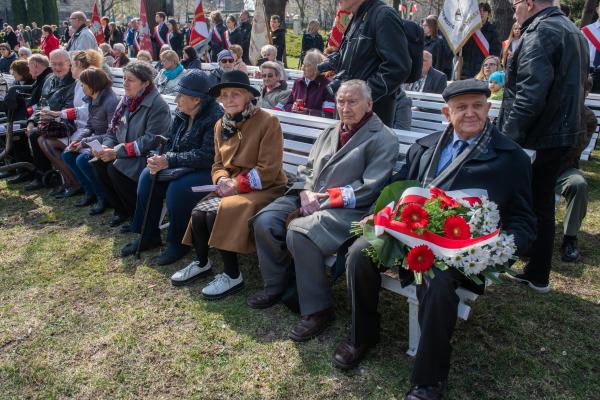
[
  {"x": 190, "y": 273},
  {"x": 222, "y": 286}
]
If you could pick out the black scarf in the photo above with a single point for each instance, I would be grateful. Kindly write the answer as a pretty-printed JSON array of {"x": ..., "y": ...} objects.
[{"x": 449, "y": 173}]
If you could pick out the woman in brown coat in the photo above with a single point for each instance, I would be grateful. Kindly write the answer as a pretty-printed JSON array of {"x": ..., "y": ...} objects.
[{"x": 248, "y": 175}]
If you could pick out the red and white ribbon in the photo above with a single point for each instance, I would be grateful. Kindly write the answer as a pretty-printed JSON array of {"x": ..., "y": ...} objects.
[
  {"x": 421, "y": 195},
  {"x": 481, "y": 42}
]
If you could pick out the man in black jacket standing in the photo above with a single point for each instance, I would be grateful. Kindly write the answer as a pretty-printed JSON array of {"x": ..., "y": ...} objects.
[
  {"x": 472, "y": 52},
  {"x": 278, "y": 37},
  {"x": 246, "y": 29},
  {"x": 542, "y": 110},
  {"x": 374, "y": 49}
]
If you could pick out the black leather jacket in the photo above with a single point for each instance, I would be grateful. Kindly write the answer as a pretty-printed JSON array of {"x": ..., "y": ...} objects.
[
  {"x": 374, "y": 49},
  {"x": 543, "y": 97},
  {"x": 194, "y": 148}
]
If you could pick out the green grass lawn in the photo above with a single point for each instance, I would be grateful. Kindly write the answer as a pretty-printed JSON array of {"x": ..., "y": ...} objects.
[{"x": 77, "y": 322}]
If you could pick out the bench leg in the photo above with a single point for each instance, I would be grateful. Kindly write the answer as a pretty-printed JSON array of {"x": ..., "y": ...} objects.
[{"x": 414, "y": 331}]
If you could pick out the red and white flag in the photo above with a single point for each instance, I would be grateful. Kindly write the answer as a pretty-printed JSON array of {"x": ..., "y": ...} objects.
[
  {"x": 143, "y": 30},
  {"x": 199, "y": 35},
  {"x": 96, "y": 24},
  {"x": 342, "y": 19},
  {"x": 481, "y": 42}
]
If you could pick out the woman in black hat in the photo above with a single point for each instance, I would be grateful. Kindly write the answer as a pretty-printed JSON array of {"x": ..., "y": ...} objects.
[
  {"x": 248, "y": 173},
  {"x": 186, "y": 163}
]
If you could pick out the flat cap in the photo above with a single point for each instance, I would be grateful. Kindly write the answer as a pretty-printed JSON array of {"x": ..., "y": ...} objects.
[{"x": 458, "y": 88}]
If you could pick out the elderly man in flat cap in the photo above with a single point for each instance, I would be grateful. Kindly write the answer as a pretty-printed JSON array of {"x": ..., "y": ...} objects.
[{"x": 470, "y": 153}]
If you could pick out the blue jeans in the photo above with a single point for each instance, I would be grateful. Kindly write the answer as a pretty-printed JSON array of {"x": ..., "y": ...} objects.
[
  {"x": 180, "y": 202},
  {"x": 79, "y": 164}
]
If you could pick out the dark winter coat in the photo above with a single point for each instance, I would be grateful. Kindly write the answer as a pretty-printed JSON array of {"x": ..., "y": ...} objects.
[
  {"x": 217, "y": 41},
  {"x": 311, "y": 41},
  {"x": 543, "y": 103},
  {"x": 472, "y": 55},
  {"x": 6, "y": 62},
  {"x": 246, "y": 30},
  {"x": 194, "y": 148},
  {"x": 278, "y": 37}
]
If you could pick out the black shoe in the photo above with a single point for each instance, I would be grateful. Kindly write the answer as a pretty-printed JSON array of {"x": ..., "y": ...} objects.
[
  {"x": 426, "y": 392},
  {"x": 36, "y": 184},
  {"x": 131, "y": 247},
  {"x": 20, "y": 178},
  {"x": 99, "y": 208},
  {"x": 261, "y": 300},
  {"x": 88, "y": 200},
  {"x": 7, "y": 174},
  {"x": 568, "y": 249},
  {"x": 57, "y": 191},
  {"x": 69, "y": 192},
  {"x": 117, "y": 220},
  {"x": 539, "y": 287},
  {"x": 173, "y": 252}
]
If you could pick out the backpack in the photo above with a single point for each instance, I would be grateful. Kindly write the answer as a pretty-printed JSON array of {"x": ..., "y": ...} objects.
[{"x": 416, "y": 43}]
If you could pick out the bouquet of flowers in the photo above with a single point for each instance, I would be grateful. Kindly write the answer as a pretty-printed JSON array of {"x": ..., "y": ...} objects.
[{"x": 424, "y": 229}]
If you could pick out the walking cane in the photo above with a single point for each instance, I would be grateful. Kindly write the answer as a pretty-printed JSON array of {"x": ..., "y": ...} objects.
[{"x": 162, "y": 141}]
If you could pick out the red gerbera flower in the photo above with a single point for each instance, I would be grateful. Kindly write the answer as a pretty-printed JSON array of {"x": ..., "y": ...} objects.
[
  {"x": 414, "y": 216},
  {"x": 445, "y": 200},
  {"x": 457, "y": 228},
  {"x": 420, "y": 258}
]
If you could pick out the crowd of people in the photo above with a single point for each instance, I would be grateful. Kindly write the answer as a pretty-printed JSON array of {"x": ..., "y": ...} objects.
[{"x": 221, "y": 172}]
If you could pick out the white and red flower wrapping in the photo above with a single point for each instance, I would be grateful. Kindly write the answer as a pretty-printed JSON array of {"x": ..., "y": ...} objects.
[{"x": 441, "y": 246}]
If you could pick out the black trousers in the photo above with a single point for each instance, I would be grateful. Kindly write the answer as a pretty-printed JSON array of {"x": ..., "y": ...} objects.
[
  {"x": 41, "y": 162},
  {"x": 438, "y": 311},
  {"x": 119, "y": 190},
  {"x": 385, "y": 108},
  {"x": 545, "y": 171}
]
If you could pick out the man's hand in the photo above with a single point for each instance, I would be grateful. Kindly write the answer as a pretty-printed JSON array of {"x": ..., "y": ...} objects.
[
  {"x": 47, "y": 115},
  {"x": 157, "y": 163},
  {"x": 226, "y": 187},
  {"x": 75, "y": 146},
  {"x": 30, "y": 127},
  {"x": 309, "y": 202},
  {"x": 107, "y": 154},
  {"x": 364, "y": 221}
]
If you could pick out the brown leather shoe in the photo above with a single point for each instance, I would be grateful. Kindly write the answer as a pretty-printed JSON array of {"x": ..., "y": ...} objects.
[
  {"x": 348, "y": 356},
  {"x": 260, "y": 300},
  {"x": 312, "y": 325},
  {"x": 426, "y": 392}
]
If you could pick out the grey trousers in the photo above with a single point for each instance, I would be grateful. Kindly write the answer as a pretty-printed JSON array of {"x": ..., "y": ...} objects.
[
  {"x": 403, "y": 116},
  {"x": 572, "y": 186},
  {"x": 275, "y": 245}
]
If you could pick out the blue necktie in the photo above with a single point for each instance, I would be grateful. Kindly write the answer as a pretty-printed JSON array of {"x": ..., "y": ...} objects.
[{"x": 457, "y": 147}]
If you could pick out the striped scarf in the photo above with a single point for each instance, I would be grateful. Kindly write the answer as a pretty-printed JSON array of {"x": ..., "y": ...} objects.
[{"x": 127, "y": 103}]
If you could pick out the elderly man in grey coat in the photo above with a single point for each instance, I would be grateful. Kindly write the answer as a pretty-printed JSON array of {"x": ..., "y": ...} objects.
[
  {"x": 347, "y": 167},
  {"x": 83, "y": 38}
]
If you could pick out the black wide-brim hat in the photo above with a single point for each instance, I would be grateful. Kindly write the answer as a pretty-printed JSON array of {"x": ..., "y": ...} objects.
[{"x": 233, "y": 79}]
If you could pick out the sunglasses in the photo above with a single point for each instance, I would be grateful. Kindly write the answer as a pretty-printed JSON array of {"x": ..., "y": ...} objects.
[
  {"x": 268, "y": 75},
  {"x": 227, "y": 61}
]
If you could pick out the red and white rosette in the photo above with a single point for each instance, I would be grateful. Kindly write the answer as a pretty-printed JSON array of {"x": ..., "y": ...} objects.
[{"x": 441, "y": 246}]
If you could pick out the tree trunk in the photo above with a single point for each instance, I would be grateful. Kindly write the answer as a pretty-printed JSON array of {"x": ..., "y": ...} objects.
[
  {"x": 587, "y": 14},
  {"x": 502, "y": 13},
  {"x": 50, "y": 11},
  {"x": 34, "y": 11},
  {"x": 19, "y": 12},
  {"x": 275, "y": 7}
]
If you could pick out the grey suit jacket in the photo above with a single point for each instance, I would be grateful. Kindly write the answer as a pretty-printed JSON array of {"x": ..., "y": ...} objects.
[
  {"x": 364, "y": 163},
  {"x": 137, "y": 130},
  {"x": 435, "y": 82}
]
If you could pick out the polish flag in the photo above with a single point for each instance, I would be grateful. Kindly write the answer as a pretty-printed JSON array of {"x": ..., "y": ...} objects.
[
  {"x": 199, "y": 36},
  {"x": 96, "y": 24},
  {"x": 143, "y": 30}
]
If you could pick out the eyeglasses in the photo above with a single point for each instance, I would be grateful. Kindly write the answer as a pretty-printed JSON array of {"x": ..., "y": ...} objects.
[
  {"x": 227, "y": 60},
  {"x": 490, "y": 65},
  {"x": 268, "y": 75},
  {"x": 514, "y": 6}
]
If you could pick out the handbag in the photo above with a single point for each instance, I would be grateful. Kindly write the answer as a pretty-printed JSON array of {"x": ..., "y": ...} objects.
[
  {"x": 170, "y": 174},
  {"x": 53, "y": 129}
]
